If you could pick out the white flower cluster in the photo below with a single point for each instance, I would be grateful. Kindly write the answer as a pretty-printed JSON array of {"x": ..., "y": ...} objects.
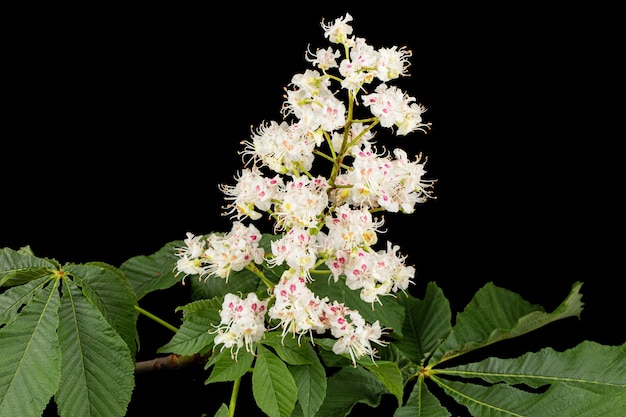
[
  {"x": 242, "y": 322},
  {"x": 301, "y": 312},
  {"x": 320, "y": 220}
]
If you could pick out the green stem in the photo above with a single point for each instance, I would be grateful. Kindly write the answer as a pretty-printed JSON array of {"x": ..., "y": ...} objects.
[
  {"x": 155, "y": 318},
  {"x": 320, "y": 271},
  {"x": 233, "y": 397},
  {"x": 256, "y": 271}
]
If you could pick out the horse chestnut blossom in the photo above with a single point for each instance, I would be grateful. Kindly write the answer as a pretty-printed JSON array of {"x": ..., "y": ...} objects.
[
  {"x": 355, "y": 336},
  {"x": 320, "y": 177},
  {"x": 395, "y": 108},
  {"x": 298, "y": 249},
  {"x": 297, "y": 308},
  {"x": 242, "y": 323},
  {"x": 301, "y": 312},
  {"x": 219, "y": 254}
]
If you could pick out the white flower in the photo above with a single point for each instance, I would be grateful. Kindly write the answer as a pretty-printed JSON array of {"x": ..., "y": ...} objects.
[
  {"x": 339, "y": 30},
  {"x": 380, "y": 180},
  {"x": 395, "y": 108},
  {"x": 392, "y": 63},
  {"x": 298, "y": 249},
  {"x": 349, "y": 228},
  {"x": 297, "y": 308},
  {"x": 364, "y": 57},
  {"x": 252, "y": 191},
  {"x": 234, "y": 250},
  {"x": 190, "y": 260},
  {"x": 324, "y": 59},
  {"x": 302, "y": 202},
  {"x": 242, "y": 323},
  {"x": 314, "y": 104},
  {"x": 355, "y": 336},
  {"x": 283, "y": 148}
]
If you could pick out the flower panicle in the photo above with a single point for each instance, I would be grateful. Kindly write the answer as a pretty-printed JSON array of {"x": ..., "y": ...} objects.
[{"x": 321, "y": 220}]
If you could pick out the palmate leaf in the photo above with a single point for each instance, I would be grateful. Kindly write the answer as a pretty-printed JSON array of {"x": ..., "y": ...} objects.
[
  {"x": 586, "y": 381},
  {"x": 496, "y": 314},
  {"x": 30, "y": 362},
  {"x": 77, "y": 346}
]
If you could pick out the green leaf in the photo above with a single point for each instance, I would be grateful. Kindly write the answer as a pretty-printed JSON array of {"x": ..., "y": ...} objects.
[
  {"x": 222, "y": 411},
  {"x": 193, "y": 336},
  {"x": 97, "y": 376},
  {"x": 109, "y": 290},
  {"x": 30, "y": 364},
  {"x": 243, "y": 282},
  {"x": 496, "y": 314},
  {"x": 273, "y": 387},
  {"x": 311, "y": 382},
  {"x": 19, "y": 267},
  {"x": 408, "y": 368},
  {"x": 421, "y": 402},
  {"x": 559, "y": 400},
  {"x": 588, "y": 380},
  {"x": 226, "y": 368},
  {"x": 347, "y": 387},
  {"x": 426, "y": 324},
  {"x": 153, "y": 272},
  {"x": 390, "y": 375},
  {"x": 14, "y": 298},
  {"x": 494, "y": 400},
  {"x": 289, "y": 350},
  {"x": 589, "y": 365},
  {"x": 330, "y": 358}
]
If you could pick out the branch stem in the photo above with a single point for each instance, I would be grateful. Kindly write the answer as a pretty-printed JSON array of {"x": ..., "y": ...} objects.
[
  {"x": 155, "y": 318},
  {"x": 172, "y": 361}
]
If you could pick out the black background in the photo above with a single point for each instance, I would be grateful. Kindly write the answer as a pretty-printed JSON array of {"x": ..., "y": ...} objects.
[{"x": 120, "y": 122}]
